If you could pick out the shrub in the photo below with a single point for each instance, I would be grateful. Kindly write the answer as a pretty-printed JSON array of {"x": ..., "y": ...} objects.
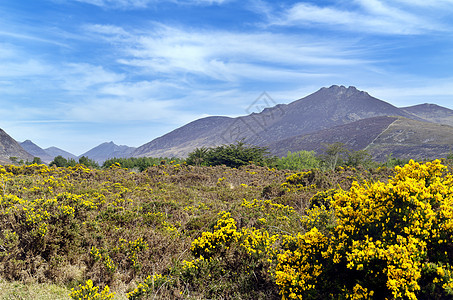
[
  {"x": 299, "y": 161},
  {"x": 389, "y": 241},
  {"x": 91, "y": 292},
  {"x": 233, "y": 155}
]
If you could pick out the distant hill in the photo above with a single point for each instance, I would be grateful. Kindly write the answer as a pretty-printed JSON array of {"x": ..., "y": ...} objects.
[
  {"x": 432, "y": 113},
  {"x": 11, "y": 148},
  {"x": 36, "y": 151},
  {"x": 322, "y": 110},
  {"x": 406, "y": 138},
  {"x": 54, "y": 151},
  {"x": 334, "y": 114},
  {"x": 108, "y": 150},
  {"x": 47, "y": 155},
  {"x": 355, "y": 136}
]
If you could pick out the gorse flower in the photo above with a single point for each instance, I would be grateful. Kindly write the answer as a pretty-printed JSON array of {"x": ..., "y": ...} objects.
[
  {"x": 91, "y": 292},
  {"x": 383, "y": 238}
]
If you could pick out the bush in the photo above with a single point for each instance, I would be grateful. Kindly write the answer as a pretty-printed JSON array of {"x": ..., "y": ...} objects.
[
  {"x": 233, "y": 155},
  {"x": 90, "y": 292},
  {"x": 389, "y": 241},
  {"x": 299, "y": 161},
  {"x": 141, "y": 163}
]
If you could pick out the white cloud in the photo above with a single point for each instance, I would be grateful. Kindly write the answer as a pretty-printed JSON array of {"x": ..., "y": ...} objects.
[
  {"x": 139, "y": 90},
  {"x": 413, "y": 90},
  {"x": 29, "y": 67},
  {"x": 118, "y": 3},
  {"x": 172, "y": 52},
  {"x": 126, "y": 4},
  {"x": 434, "y": 4},
  {"x": 79, "y": 77},
  {"x": 366, "y": 16}
]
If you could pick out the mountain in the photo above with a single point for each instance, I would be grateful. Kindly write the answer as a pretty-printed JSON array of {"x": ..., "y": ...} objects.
[
  {"x": 324, "y": 109},
  {"x": 355, "y": 136},
  {"x": 54, "y": 151},
  {"x": 11, "y": 148},
  {"x": 108, "y": 150},
  {"x": 406, "y": 138},
  {"x": 36, "y": 151},
  {"x": 46, "y": 155},
  {"x": 432, "y": 113},
  {"x": 179, "y": 142},
  {"x": 380, "y": 136}
]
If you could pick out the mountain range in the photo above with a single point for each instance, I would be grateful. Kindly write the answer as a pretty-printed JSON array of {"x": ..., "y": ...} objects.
[
  {"x": 334, "y": 114},
  {"x": 99, "y": 153},
  {"x": 46, "y": 155}
]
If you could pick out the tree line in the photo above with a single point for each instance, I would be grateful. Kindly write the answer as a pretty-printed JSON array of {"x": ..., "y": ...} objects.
[{"x": 240, "y": 154}]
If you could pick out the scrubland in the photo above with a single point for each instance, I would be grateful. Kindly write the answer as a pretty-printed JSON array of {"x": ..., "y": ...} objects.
[{"x": 176, "y": 231}]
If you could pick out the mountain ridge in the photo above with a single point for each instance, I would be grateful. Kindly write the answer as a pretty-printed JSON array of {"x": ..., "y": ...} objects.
[
  {"x": 331, "y": 114},
  {"x": 46, "y": 155},
  {"x": 326, "y": 108},
  {"x": 108, "y": 150},
  {"x": 9, "y": 147}
]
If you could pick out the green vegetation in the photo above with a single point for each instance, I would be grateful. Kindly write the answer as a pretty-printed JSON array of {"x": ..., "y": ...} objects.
[
  {"x": 240, "y": 154},
  {"x": 301, "y": 160},
  {"x": 253, "y": 232},
  {"x": 141, "y": 163},
  {"x": 233, "y": 155},
  {"x": 60, "y": 161}
]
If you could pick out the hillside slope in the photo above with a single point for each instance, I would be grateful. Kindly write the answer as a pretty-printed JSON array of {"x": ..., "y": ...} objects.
[
  {"x": 11, "y": 148},
  {"x": 406, "y": 138},
  {"x": 355, "y": 136},
  {"x": 432, "y": 113},
  {"x": 326, "y": 108}
]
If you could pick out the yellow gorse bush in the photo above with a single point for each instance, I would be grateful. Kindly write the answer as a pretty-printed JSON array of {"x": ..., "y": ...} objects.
[
  {"x": 146, "y": 287},
  {"x": 317, "y": 236},
  {"x": 91, "y": 292},
  {"x": 225, "y": 233},
  {"x": 384, "y": 242}
]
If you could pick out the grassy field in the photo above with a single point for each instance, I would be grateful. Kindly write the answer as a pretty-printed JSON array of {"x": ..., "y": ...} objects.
[{"x": 169, "y": 232}]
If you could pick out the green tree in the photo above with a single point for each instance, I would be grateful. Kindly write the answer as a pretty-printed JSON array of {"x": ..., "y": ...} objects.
[
  {"x": 59, "y": 161},
  {"x": 359, "y": 158},
  {"x": 233, "y": 155},
  {"x": 334, "y": 155},
  {"x": 299, "y": 160},
  {"x": 88, "y": 162},
  {"x": 36, "y": 160},
  {"x": 198, "y": 157},
  {"x": 392, "y": 162},
  {"x": 140, "y": 163}
]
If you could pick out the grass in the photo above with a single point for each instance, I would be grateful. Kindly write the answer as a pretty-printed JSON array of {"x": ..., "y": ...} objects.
[{"x": 30, "y": 291}]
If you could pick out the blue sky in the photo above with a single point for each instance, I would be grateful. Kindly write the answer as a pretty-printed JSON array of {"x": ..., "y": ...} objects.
[{"x": 77, "y": 73}]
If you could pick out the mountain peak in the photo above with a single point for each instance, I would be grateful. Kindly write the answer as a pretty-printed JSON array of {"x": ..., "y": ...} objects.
[
  {"x": 108, "y": 150},
  {"x": 341, "y": 89}
]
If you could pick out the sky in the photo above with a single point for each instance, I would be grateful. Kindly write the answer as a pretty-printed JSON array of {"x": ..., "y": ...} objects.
[{"x": 77, "y": 73}]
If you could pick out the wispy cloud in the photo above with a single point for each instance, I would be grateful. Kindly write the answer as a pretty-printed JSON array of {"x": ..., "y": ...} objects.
[
  {"x": 118, "y": 3},
  {"x": 219, "y": 55},
  {"x": 134, "y": 4},
  {"x": 372, "y": 16}
]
